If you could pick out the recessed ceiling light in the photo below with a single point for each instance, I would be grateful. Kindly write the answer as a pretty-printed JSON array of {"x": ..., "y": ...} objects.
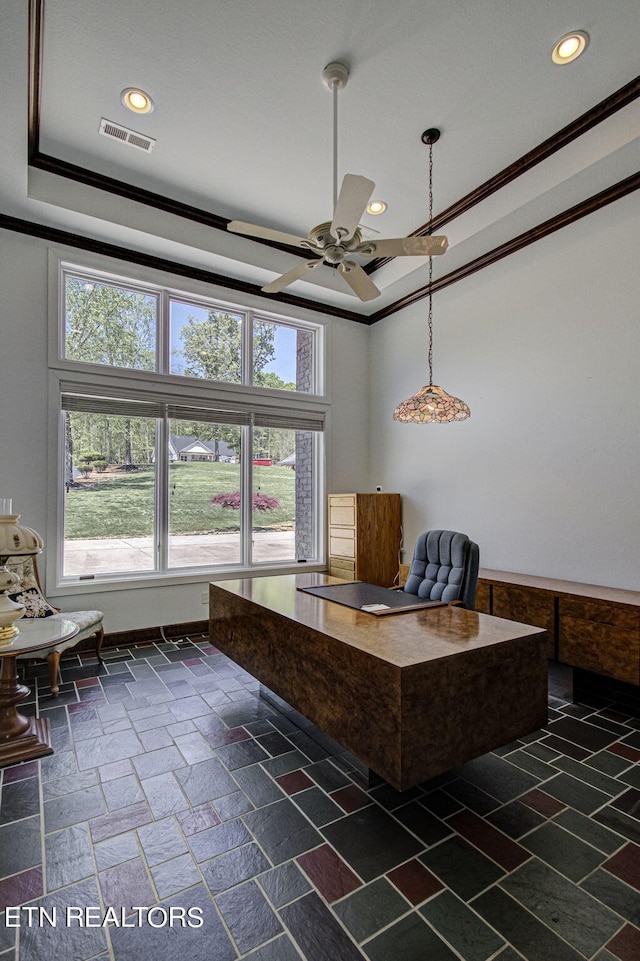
[
  {"x": 137, "y": 100},
  {"x": 376, "y": 207},
  {"x": 570, "y": 47}
]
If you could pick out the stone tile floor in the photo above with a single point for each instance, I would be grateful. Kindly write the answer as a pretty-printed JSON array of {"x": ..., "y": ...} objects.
[{"x": 178, "y": 796}]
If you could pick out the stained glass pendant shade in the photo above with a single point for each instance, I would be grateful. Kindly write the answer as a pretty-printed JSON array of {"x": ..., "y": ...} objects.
[{"x": 431, "y": 404}]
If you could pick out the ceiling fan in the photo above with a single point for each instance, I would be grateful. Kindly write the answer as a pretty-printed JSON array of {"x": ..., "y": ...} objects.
[{"x": 335, "y": 241}]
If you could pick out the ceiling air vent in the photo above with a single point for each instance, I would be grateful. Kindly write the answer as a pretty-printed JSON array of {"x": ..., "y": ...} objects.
[{"x": 115, "y": 130}]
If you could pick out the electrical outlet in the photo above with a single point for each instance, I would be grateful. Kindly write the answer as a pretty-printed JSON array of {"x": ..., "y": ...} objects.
[{"x": 204, "y": 597}]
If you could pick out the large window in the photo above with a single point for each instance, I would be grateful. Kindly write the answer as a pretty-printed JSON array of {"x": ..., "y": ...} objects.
[{"x": 179, "y": 448}]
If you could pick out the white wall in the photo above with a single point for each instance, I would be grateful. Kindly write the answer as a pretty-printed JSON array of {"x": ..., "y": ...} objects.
[
  {"x": 544, "y": 346},
  {"x": 24, "y": 425}
]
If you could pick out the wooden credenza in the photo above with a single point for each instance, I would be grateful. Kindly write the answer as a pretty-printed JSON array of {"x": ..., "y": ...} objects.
[
  {"x": 593, "y": 628},
  {"x": 365, "y": 537}
]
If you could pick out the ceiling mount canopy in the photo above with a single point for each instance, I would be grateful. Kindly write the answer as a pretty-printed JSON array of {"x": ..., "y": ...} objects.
[
  {"x": 431, "y": 404},
  {"x": 336, "y": 241}
]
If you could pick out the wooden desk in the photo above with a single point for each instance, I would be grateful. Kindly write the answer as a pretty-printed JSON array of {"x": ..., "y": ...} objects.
[
  {"x": 410, "y": 695},
  {"x": 26, "y": 738}
]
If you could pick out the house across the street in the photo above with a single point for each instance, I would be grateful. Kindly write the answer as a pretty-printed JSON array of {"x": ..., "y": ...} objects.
[{"x": 195, "y": 449}]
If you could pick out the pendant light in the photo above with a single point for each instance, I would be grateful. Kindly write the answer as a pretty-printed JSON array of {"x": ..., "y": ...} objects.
[{"x": 431, "y": 404}]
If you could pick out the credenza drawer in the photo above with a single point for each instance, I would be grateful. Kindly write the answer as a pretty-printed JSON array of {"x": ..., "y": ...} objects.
[
  {"x": 602, "y": 612},
  {"x": 600, "y": 648}
]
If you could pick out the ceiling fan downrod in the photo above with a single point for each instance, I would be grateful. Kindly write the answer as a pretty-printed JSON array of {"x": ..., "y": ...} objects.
[{"x": 335, "y": 76}]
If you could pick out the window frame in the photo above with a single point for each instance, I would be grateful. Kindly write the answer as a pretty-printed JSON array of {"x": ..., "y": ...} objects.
[{"x": 160, "y": 386}]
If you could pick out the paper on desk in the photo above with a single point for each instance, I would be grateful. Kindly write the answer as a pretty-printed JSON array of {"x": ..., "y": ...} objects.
[{"x": 374, "y": 607}]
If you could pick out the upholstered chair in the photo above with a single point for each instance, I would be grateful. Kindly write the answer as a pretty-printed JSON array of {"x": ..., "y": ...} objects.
[
  {"x": 444, "y": 568},
  {"x": 30, "y": 594}
]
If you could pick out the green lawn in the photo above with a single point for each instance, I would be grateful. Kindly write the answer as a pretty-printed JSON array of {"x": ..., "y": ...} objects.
[{"x": 121, "y": 504}]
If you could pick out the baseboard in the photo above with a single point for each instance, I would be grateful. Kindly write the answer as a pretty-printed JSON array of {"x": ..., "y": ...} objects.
[{"x": 145, "y": 635}]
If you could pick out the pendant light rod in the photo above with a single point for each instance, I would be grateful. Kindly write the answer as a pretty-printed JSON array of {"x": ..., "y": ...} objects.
[{"x": 431, "y": 404}]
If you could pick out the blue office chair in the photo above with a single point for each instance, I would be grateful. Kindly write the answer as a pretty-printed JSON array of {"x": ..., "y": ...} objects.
[{"x": 445, "y": 568}]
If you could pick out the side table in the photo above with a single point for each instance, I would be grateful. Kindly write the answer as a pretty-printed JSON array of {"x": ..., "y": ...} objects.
[{"x": 25, "y": 738}]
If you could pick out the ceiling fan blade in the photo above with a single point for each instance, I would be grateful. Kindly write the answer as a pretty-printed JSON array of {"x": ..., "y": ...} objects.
[
  {"x": 266, "y": 233},
  {"x": 296, "y": 273},
  {"x": 350, "y": 206},
  {"x": 360, "y": 282},
  {"x": 403, "y": 247}
]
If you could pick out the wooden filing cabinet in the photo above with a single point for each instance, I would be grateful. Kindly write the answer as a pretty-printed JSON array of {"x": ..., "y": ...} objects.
[{"x": 364, "y": 537}]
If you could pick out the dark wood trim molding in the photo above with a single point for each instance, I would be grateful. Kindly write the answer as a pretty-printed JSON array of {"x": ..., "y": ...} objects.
[
  {"x": 36, "y": 23},
  {"x": 610, "y": 105},
  {"x": 57, "y": 236},
  {"x": 583, "y": 209}
]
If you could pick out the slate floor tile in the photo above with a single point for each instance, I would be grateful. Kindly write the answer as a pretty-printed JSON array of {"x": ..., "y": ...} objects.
[
  {"x": 527, "y": 934},
  {"x": 371, "y": 841},
  {"x": 615, "y": 894},
  {"x": 317, "y": 806},
  {"x": 68, "y": 856},
  {"x": 626, "y": 865},
  {"x": 618, "y": 821},
  {"x": 20, "y": 799},
  {"x": 248, "y": 916},
  {"x": 586, "y": 735},
  {"x": 370, "y": 908},
  {"x": 563, "y": 851},
  {"x": 161, "y": 841},
  {"x": 117, "y": 822},
  {"x": 232, "y": 868},
  {"x": 217, "y": 840},
  {"x": 461, "y": 867},
  {"x": 317, "y": 933},
  {"x": 488, "y": 839},
  {"x": 331, "y": 876},
  {"x": 166, "y": 943},
  {"x": 515, "y": 819},
  {"x": 197, "y": 819},
  {"x": 626, "y": 944},
  {"x": 589, "y": 830},
  {"x": 205, "y": 781},
  {"x": 461, "y": 927},
  {"x": 410, "y": 939},
  {"x": 21, "y": 887},
  {"x": 241, "y": 754},
  {"x": 280, "y": 949},
  {"x": 108, "y": 747},
  {"x": 115, "y": 850},
  {"x": 122, "y": 792},
  {"x": 158, "y": 762},
  {"x": 428, "y": 828},
  {"x": 284, "y": 883},
  {"x": 42, "y": 942},
  {"x": 498, "y": 777},
  {"x": 282, "y": 831},
  {"x": 176, "y": 875},
  {"x": 127, "y": 885},
  {"x": 629, "y": 802},
  {"x": 563, "y": 907},
  {"x": 415, "y": 881},
  {"x": 164, "y": 795},
  {"x": 20, "y": 845}
]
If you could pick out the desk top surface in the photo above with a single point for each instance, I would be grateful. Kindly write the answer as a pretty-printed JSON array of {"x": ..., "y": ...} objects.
[{"x": 402, "y": 640}]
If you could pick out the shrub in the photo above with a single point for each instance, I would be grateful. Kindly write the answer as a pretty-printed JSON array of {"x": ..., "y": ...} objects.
[{"x": 231, "y": 501}]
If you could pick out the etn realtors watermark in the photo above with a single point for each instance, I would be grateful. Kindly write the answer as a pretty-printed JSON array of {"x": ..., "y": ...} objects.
[{"x": 97, "y": 917}]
